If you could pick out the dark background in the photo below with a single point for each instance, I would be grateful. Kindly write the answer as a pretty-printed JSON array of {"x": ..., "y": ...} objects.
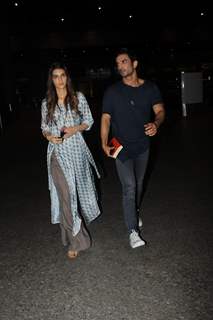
[
  {"x": 169, "y": 279},
  {"x": 168, "y": 38}
]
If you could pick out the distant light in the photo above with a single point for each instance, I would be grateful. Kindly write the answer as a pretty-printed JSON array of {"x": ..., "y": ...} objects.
[
  {"x": 202, "y": 13},
  {"x": 99, "y": 8},
  {"x": 16, "y": 4},
  {"x": 130, "y": 16},
  {"x": 62, "y": 19}
]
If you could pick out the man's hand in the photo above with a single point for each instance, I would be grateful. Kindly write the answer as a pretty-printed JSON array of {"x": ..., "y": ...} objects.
[
  {"x": 150, "y": 129},
  {"x": 107, "y": 150}
]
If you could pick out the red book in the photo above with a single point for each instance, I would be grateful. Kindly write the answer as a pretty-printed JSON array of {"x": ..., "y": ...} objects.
[{"x": 117, "y": 147}]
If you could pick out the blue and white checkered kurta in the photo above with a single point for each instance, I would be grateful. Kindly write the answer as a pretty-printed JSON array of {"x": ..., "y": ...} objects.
[{"x": 75, "y": 160}]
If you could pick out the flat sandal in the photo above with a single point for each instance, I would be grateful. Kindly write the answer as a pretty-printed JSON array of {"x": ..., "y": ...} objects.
[{"x": 72, "y": 254}]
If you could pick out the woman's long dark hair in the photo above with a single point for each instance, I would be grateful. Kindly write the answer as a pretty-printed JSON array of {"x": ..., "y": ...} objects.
[{"x": 71, "y": 100}]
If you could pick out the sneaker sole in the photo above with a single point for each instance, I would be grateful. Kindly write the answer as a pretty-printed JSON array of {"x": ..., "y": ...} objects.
[{"x": 139, "y": 244}]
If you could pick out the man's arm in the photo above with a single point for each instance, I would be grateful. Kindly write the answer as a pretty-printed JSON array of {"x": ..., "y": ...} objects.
[
  {"x": 151, "y": 128},
  {"x": 105, "y": 127},
  {"x": 159, "y": 114}
]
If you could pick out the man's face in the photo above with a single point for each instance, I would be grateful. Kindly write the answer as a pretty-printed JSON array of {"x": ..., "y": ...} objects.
[
  {"x": 59, "y": 78},
  {"x": 125, "y": 66}
]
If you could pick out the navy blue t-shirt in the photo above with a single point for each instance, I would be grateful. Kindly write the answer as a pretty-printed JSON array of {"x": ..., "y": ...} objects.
[{"x": 130, "y": 109}]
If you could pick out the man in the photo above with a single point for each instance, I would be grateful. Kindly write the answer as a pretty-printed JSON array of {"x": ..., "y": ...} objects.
[{"x": 128, "y": 106}]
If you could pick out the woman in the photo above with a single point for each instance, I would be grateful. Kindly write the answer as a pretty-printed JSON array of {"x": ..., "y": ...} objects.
[{"x": 65, "y": 115}]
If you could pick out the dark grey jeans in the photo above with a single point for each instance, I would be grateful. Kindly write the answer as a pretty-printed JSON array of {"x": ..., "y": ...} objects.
[{"x": 131, "y": 174}]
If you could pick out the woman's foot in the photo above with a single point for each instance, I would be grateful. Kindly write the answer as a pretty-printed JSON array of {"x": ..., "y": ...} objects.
[{"x": 72, "y": 254}]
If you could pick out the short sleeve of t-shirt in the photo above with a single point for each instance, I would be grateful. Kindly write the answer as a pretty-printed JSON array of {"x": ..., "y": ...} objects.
[
  {"x": 156, "y": 95},
  {"x": 108, "y": 102}
]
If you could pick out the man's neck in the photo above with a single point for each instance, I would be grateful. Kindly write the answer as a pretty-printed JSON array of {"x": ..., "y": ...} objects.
[{"x": 133, "y": 81}]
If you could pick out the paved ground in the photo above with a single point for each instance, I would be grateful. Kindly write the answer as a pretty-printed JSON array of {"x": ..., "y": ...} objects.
[{"x": 169, "y": 279}]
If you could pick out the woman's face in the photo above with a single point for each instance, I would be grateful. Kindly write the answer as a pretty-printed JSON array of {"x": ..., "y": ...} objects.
[{"x": 59, "y": 78}]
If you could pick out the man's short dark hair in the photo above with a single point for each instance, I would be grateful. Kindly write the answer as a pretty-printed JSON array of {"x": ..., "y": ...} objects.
[{"x": 131, "y": 54}]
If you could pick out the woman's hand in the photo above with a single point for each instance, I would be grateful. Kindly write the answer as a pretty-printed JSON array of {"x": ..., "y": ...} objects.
[
  {"x": 53, "y": 139},
  {"x": 69, "y": 131}
]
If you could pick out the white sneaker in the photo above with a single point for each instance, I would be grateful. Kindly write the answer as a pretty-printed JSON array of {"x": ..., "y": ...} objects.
[
  {"x": 140, "y": 222},
  {"x": 135, "y": 240}
]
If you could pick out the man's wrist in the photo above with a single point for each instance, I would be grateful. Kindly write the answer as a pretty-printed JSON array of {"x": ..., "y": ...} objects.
[
  {"x": 156, "y": 124},
  {"x": 104, "y": 145}
]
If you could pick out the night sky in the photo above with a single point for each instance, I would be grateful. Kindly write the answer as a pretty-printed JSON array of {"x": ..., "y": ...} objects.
[
  {"x": 141, "y": 17},
  {"x": 85, "y": 33}
]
